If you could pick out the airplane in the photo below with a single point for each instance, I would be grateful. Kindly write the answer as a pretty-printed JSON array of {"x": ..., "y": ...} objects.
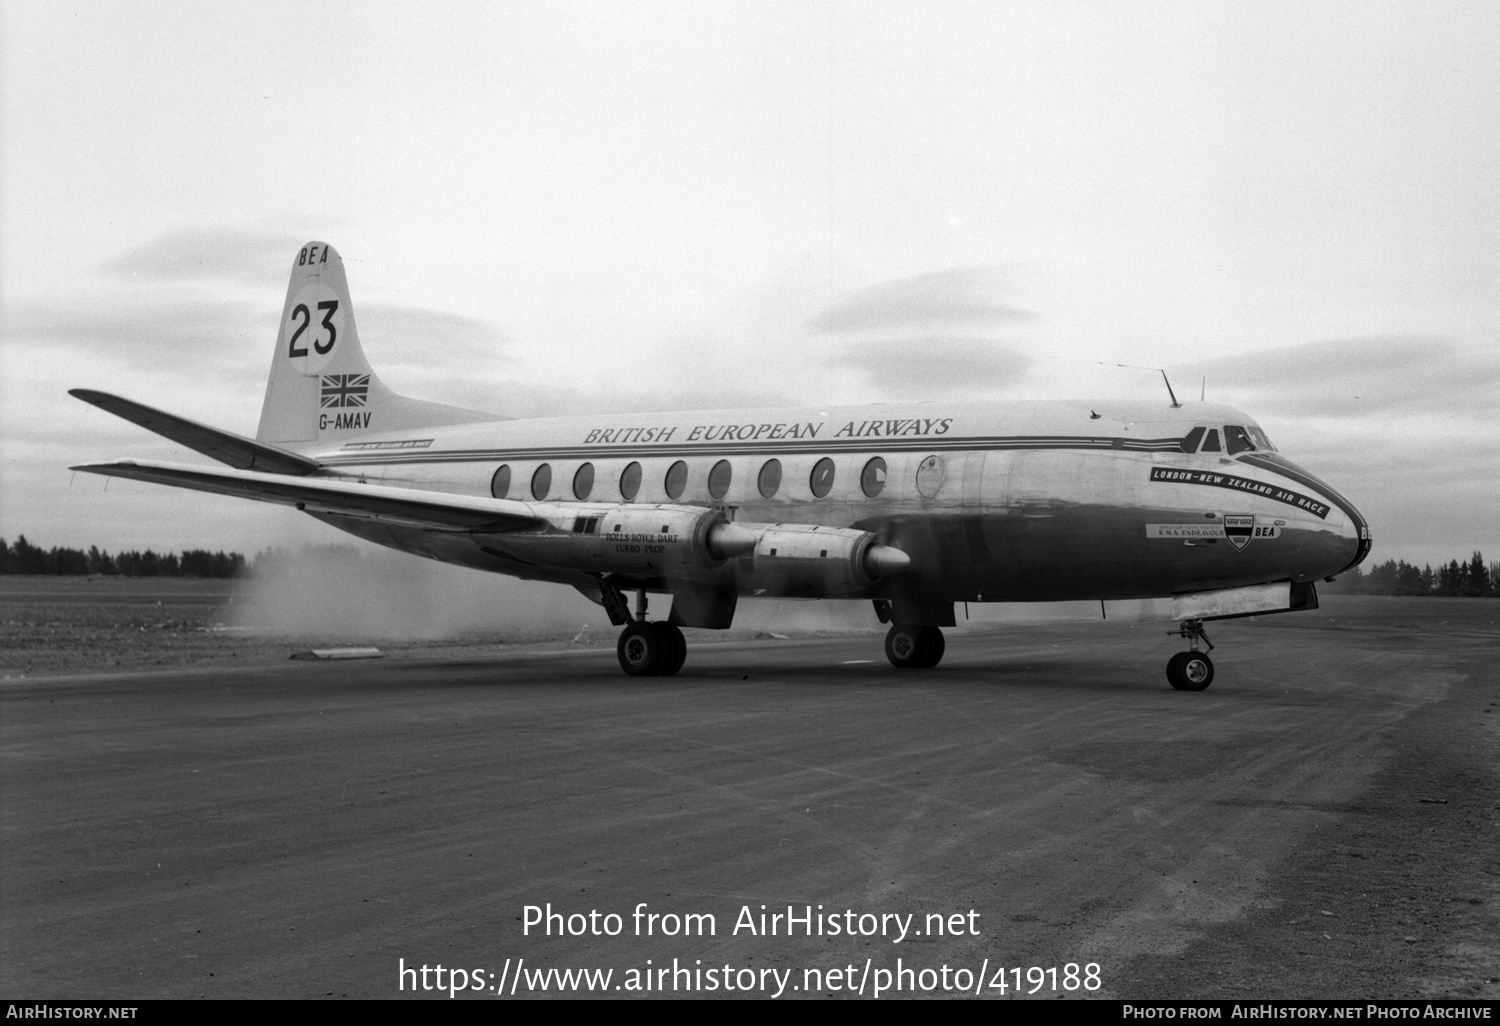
[{"x": 913, "y": 507}]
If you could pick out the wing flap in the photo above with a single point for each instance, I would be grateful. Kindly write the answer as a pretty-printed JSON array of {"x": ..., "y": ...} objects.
[
  {"x": 224, "y": 446},
  {"x": 432, "y": 511}
]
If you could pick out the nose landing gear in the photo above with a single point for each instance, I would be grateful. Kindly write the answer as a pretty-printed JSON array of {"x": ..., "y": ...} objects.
[{"x": 1191, "y": 670}]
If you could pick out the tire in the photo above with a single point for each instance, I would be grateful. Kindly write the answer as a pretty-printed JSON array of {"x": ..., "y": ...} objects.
[
  {"x": 936, "y": 646},
  {"x": 1190, "y": 671},
  {"x": 643, "y": 650},
  {"x": 908, "y": 646},
  {"x": 1172, "y": 665},
  {"x": 676, "y": 653}
]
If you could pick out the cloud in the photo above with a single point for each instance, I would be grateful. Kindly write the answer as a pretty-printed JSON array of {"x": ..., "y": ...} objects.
[
  {"x": 414, "y": 336},
  {"x": 920, "y": 368},
  {"x": 177, "y": 312},
  {"x": 528, "y": 399},
  {"x": 928, "y": 336},
  {"x": 1352, "y": 377},
  {"x": 208, "y": 254},
  {"x": 190, "y": 332},
  {"x": 1399, "y": 423},
  {"x": 958, "y": 297},
  {"x": 193, "y": 342}
]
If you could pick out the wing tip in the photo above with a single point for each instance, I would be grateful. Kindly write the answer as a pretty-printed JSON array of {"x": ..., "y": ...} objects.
[
  {"x": 93, "y": 396},
  {"x": 101, "y": 467}
]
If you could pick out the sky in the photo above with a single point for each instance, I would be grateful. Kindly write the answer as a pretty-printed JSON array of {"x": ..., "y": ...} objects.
[{"x": 550, "y": 208}]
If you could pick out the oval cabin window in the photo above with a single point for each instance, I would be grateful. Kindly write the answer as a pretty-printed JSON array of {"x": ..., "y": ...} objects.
[
  {"x": 541, "y": 482},
  {"x": 630, "y": 482},
  {"x": 821, "y": 481},
  {"x": 676, "y": 480},
  {"x": 718, "y": 479},
  {"x": 583, "y": 481},
  {"x": 500, "y": 483},
  {"x": 872, "y": 478},
  {"x": 930, "y": 476},
  {"x": 769, "y": 481}
]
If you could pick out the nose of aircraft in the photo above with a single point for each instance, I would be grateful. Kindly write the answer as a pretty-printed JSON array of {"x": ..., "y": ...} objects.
[
  {"x": 1353, "y": 543},
  {"x": 1354, "y": 534}
]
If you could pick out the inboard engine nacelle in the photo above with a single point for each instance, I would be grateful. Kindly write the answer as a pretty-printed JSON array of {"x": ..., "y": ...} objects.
[
  {"x": 819, "y": 562},
  {"x": 637, "y": 542}
]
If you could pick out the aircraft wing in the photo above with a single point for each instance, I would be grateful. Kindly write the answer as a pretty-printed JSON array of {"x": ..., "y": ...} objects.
[
  {"x": 432, "y": 511},
  {"x": 224, "y": 446}
]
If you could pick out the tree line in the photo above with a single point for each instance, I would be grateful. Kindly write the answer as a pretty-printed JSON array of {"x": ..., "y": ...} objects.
[
  {"x": 26, "y": 558},
  {"x": 1473, "y": 579}
]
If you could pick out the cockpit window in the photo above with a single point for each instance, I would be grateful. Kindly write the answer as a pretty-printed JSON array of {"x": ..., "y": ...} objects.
[
  {"x": 1237, "y": 439},
  {"x": 1260, "y": 439}
]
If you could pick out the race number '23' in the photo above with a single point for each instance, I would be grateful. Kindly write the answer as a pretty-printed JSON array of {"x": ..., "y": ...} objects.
[{"x": 328, "y": 308}]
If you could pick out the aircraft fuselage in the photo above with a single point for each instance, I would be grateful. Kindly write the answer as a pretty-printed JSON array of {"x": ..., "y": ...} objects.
[{"x": 994, "y": 502}]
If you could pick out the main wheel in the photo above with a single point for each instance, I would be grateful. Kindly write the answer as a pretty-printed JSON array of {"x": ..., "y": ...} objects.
[
  {"x": 913, "y": 647},
  {"x": 935, "y": 647},
  {"x": 676, "y": 648},
  {"x": 1190, "y": 671},
  {"x": 643, "y": 649},
  {"x": 903, "y": 646}
]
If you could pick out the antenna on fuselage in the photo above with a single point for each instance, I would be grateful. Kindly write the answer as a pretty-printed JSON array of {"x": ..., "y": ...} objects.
[{"x": 1130, "y": 366}]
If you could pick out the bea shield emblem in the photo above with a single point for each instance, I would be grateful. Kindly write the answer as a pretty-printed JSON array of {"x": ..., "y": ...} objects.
[{"x": 1237, "y": 528}]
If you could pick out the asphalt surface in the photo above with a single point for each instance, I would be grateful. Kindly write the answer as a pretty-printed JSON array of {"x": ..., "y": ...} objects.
[{"x": 1323, "y": 822}]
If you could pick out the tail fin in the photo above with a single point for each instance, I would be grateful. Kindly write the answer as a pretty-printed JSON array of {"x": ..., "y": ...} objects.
[{"x": 322, "y": 388}]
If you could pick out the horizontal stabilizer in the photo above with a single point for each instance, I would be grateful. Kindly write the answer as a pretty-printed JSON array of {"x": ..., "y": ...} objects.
[
  {"x": 224, "y": 446},
  {"x": 432, "y": 511}
]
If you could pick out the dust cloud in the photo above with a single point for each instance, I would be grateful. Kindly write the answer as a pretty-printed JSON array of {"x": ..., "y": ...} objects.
[
  {"x": 371, "y": 593},
  {"x": 364, "y": 592}
]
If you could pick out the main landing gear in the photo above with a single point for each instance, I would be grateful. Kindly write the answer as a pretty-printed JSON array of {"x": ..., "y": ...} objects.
[
  {"x": 646, "y": 649},
  {"x": 651, "y": 649},
  {"x": 1191, "y": 670},
  {"x": 913, "y": 647}
]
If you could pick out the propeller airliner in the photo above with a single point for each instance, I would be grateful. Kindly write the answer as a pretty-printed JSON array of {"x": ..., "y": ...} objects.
[{"x": 913, "y": 507}]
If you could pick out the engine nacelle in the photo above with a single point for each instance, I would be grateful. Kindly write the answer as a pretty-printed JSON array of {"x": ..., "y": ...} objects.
[
  {"x": 629, "y": 540},
  {"x": 816, "y": 562},
  {"x": 690, "y": 543}
]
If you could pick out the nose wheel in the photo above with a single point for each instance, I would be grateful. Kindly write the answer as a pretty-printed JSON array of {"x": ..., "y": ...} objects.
[{"x": 1191, "y": 670}]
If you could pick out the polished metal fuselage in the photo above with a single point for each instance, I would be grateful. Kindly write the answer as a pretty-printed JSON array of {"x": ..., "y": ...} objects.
[{"x": 998, "y": 502}]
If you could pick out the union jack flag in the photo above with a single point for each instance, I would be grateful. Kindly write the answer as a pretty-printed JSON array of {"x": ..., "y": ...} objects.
[{"x": 345, "y": 389}]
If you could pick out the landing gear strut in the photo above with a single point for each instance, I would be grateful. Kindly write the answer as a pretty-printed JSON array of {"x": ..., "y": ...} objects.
[
  {"x": 914, "y": 647},
  {"x": 1191, "y": 670},
  {"x": 646, "y": 649}
]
